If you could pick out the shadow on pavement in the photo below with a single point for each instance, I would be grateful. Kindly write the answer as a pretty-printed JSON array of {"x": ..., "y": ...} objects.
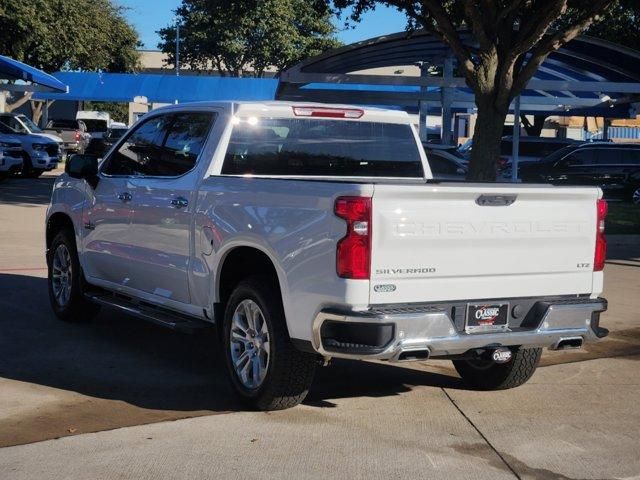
[
  {"x": 122, "y": 358},
  {"x": 27, "y": 191}
]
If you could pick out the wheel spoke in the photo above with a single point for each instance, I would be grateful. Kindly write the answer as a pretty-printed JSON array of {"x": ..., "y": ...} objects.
[{"x": 249, "y": 344}]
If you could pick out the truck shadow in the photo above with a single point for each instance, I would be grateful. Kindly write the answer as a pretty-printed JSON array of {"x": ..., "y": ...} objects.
[
  {"x": 117, "y": 357},
  {"x": 27, "y": 191}
]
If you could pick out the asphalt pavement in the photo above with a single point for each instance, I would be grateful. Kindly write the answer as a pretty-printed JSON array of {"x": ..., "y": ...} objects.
[{"x": 119, "y": 398}]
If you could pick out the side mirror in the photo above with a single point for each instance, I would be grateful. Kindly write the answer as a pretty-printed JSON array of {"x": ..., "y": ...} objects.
[{"x": 83, "y": 167}]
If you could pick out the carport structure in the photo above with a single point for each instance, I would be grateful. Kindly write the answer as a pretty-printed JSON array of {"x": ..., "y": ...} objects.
[
  {"x": 29, "y": 79},
  {"x": 587, "y": 77}
]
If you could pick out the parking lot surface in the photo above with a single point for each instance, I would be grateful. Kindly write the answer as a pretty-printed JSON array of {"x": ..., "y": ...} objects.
[{"x": 119, "y": 398}]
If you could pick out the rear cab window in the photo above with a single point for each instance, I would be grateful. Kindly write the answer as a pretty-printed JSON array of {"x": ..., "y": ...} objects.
[{"x": 322, "y": 147}]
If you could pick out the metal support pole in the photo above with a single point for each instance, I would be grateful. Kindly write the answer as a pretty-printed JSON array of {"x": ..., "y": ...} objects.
[
  {"x": 605, "y": 129},
  {"x": 422, "y": 104},
  {"x": 177, "y": 47},
  {"x": 446, "y": 97},
  {"x": 516, "y": 139}
]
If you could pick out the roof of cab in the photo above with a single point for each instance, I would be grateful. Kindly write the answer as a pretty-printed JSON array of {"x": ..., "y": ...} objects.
[{"x": 285, "y": 109}]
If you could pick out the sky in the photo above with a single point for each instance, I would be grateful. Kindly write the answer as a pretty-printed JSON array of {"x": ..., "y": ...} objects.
[{"x": 148, "y": 16}]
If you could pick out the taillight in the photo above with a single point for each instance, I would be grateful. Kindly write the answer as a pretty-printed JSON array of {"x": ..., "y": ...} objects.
[
  {"x": 77, "y": 136},
  {"x": 601, "y": 241},
  {"x": 353, "y": 256}
]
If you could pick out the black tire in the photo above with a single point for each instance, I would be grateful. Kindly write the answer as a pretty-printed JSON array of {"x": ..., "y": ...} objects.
[
  {"x": 27, "y": 166},
  {"x": 76, "y": 308},
  {"x": 290, "y": 372},
  {"x": 487, "y": 375},
  {"x": 634, "y": 195}
]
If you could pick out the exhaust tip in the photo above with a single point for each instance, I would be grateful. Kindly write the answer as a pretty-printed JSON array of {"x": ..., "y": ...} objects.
[
  {"x": 569, "y": 343},
  {"x": 413, "y": 355}
]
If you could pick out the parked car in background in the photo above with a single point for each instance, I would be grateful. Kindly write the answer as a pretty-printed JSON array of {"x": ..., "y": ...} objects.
[
  {"x": 445, "y": 165},
  {"x": 23, "y": 124},
  {"x": 614, "y": 167},
  {"x": 307, "y": 232},
  {"x": 73, "y": 133},
  {"x": 40, "y": 153},
  {"x": 100, "y": 146},
  {"x": 530, "y": 149},
  {"x": 11, "y": 155},
  {"x": 97, "y": 123},
  {"x": 452, "y": 150}
]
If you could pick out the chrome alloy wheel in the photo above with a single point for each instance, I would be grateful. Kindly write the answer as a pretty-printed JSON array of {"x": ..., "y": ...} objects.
[
  {"x": 250, "y": 346},
  {"x": 61, "y": 276},
  {"x": 635, "y": 198}
]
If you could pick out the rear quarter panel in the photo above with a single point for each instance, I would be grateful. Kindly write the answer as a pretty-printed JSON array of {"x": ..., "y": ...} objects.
[{"x": 292, "y": 222}]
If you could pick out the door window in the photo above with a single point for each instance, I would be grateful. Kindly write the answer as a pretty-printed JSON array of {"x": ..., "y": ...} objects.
[
  {"x": 580, "y": 158},
  {"x": 187, "y": 136},
  {"x": 137, "y": 154},
  {"x": 441, "y": 165}
]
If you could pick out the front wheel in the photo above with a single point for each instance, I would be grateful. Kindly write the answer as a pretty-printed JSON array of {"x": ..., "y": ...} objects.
[
  {"x": 485, "y": 374},
  {"x": 635, "y": 196},
  {"x": 265, "y": 368},
  {"x": 65, "y": 280}
]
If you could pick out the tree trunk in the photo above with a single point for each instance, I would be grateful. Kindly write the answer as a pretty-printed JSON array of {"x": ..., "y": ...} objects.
[
  {"x": 486, "y": 141},
  {"x": 10, "y": 107}
]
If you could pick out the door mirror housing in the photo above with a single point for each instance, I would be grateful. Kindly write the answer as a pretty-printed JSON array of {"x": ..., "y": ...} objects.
[{"x": 83, "y": 166}]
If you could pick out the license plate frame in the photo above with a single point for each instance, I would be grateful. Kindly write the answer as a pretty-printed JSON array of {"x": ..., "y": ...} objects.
[{"x": 488, "y": 321}]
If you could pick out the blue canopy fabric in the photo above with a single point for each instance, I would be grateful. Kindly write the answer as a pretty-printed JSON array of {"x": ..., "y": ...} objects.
[
  {"x": 11, "y": 69},
  {"x": 122, "y": 87}
]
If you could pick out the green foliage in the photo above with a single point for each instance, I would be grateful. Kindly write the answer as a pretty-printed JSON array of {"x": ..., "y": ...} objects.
[
  {"x": 620, "y": 23},
  {"x": 68, "y": 34},
  {"x": 119, "y": 112},
  {"x": 246, "y": 37}
]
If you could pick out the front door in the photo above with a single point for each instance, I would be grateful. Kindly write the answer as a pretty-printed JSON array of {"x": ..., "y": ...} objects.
[
  {"x": 163, "y": 208},
  {"x": 106, "y": 230}
]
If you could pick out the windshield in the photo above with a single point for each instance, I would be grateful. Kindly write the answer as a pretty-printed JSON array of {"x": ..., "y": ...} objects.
[
  {"x": 313, "y": 147},
  {"x": 95, "y": 125},
  {"x": 115, "y": 133},
  {"x": 33, "y": 128},
  {"x": 4, "y": 128}
]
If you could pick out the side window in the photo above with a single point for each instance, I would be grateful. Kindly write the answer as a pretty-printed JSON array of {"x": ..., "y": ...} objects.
[
  {"x": 140, "y": 149},
  {"x": 608, "y": 156},
  {"x": 440, "y": 165},
  {"x": 187, "y": 135},
  {"x": 631, "y": 157},
  {"x": 580, "y": 158}
]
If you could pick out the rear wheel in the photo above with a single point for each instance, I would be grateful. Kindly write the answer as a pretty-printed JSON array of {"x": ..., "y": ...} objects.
[
  {"x": 65, "y": 281},
  {"x": 266, "y": 370},
  {"x": 485, "y": 374}
]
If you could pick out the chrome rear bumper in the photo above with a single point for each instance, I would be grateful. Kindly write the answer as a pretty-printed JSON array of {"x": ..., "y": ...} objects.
[{"x": 432, "y": 330}]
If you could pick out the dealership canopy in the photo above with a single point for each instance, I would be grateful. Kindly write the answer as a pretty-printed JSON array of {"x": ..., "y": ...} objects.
[
  {"x": 587, "y": 76},
  {"x": 26, "y": 78}
]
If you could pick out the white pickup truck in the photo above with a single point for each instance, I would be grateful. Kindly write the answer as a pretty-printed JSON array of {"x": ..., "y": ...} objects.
[{"x": 306, "y": 232}]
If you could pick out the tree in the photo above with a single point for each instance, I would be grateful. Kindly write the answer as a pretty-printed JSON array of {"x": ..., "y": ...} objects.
[
  {"x": 245, "y": 38},
  {"x": 513, "y": 39},
  {"x": 55, "y": 35}
]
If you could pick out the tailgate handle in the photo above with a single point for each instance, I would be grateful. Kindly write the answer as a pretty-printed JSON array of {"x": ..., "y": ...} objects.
[{"x": 496, "y": 200}]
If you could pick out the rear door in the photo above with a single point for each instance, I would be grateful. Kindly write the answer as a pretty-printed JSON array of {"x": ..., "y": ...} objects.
[{"x": 466, "y": 241}]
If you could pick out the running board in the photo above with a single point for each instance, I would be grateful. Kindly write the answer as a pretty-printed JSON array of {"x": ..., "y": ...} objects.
[{"x": 149, "y": 312}]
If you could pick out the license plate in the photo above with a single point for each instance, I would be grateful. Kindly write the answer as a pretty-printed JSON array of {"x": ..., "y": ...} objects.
[{"x": 484, "y": 317}]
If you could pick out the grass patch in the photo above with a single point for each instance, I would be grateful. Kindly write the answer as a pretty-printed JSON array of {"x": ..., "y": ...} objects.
[{"x": 623, "y": 219}]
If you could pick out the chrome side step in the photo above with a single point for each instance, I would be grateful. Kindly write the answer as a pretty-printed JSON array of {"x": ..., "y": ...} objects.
[{"x": 149, "y": 312}]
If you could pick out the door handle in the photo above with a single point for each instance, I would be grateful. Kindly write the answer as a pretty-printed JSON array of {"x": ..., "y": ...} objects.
[
  {"x": 179, "y": 202},
  {"x": 124, "y": 197}
]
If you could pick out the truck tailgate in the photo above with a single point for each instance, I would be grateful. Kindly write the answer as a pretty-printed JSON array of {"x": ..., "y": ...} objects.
[{"x": 468, "y": 241}]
